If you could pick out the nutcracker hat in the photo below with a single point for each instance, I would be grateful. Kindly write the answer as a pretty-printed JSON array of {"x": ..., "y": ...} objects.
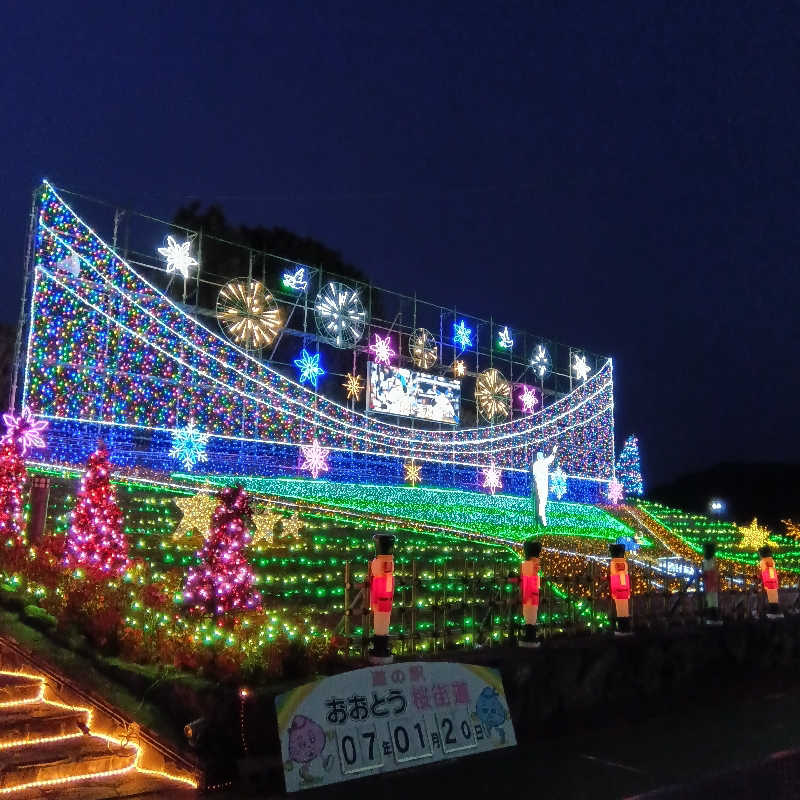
[
  {"x": 709, "y": 549},
  {"x": 617, "y": 550},
  {"x": 532, "y": 548},
  {"x": 384, "y": 543},
  {"x": 765, "y": 551}
]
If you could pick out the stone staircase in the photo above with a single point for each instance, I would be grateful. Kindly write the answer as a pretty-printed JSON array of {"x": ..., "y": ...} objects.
[{"x": 52, "y": 746}]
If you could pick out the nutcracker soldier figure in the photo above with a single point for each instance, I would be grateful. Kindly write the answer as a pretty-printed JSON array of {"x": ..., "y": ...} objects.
[
  {"x": 619, "y": 581},
  {"x": 770, "y": 582},
  {"x": 529, "y": 590},
  {"x": 381, "y": 593},
  {"x": 710, "y": 584}
]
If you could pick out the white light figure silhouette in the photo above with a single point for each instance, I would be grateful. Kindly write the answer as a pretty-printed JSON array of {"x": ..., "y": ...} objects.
[{"x": 539, "y": 471}]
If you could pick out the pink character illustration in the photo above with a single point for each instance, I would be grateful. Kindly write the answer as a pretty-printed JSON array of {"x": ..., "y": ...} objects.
[{"x": 306, "y": 743}]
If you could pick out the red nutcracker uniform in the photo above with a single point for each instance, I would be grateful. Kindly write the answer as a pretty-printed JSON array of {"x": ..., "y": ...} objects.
[
  {"x": 710, "y": 584},
  {"x": 769, "y": 580},
  {"x": 619, "y": 581},
  {"x": 381, "y": 594},
  {"x": 529, "y": 590}
]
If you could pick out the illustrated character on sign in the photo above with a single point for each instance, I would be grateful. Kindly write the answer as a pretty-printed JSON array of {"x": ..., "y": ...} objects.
[
  {"x": 491, "y": 712},
  {"x": 306, "y": 743},
  {"x": 539, "y": 470}
]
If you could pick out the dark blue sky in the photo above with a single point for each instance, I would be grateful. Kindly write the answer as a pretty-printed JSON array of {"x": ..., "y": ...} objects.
[{"x": 621, "y": 176}]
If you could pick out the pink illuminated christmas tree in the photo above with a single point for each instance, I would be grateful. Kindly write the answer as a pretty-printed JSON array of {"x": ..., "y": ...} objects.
[
  {"x": 96, "y": 542},
  {"x": 12, "y": 482},
  {"x": 223, "y": 581}
]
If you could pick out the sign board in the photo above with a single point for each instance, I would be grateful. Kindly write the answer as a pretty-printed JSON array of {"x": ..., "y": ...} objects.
[
  {"x": 407, "y": 393},
  {"x": 678, "y": 567},
  {"x": 381, "y": 719}
]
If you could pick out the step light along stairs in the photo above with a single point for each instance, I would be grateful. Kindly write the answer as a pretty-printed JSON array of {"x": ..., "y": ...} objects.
[{"x": 49, "y": 748}]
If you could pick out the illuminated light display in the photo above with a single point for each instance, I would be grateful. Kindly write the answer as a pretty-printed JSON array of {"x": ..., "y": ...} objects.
[
  {"x": 412, "y": 472},
  {"x": 540, "y": 468},
  {"x": 24, "y": 431},
  {"x": 615, "y": 492},
  {"x": 755, "y": 536},
  {"x": 296, "y": 281},
  {"x": 310, "y": 369},
  {"x": 12, "y": 482},
  {"x": 223, "y": 580},
  {"x": 382, "y": 349},
  {"x": 528, "y": 398},
  {"x": 96, "y": 541},
  {"x": 248, "y": 313},
  {"x": 558, "y": 483},
  {"x": 459, "y": 369},
  {"x": 492, "y": 479},
  {"x": 263, "y": 526},
  {"x": 581, "y": 368},
  {"x": 315, "y": 458},
  {"x": 178, "y": 257},
  {"x": 340, "y": 315},
  {"x": 423, "y": 349},
  {"x": 189, "y": 445},
  {"x": 629, "y": 468},
  {"x": 493, "y": 395},
  {"x": 196, "y": 519},
  {"x": 541, "y": 362},
  {"x": 158, "y": 356},
  {"x": 291, "y": 526},
  {"x": 462, "y": 335},
  {"x": 354, "y": 385},
  {"x": 504, "y": 339}
]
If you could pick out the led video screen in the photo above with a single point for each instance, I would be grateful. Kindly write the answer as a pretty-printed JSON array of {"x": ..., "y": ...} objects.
[{"x": 407, "y": 393}]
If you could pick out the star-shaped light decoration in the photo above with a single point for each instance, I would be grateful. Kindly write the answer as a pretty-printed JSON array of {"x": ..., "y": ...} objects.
[
  {"x": 296, "y": 280},
  {"x": 291, "y": 527},
  {"x": 581, "y": 368},
  {"x": 462, "y": 335},
  {"x": 459, "y": 369},
  {"x": 412, "y": 472},
  {"x": 309, "y": 367},
  {"x": 528, "y": 399},
  {"x": 264, "y": 522},
  {"x": 754, "y": 536},
  {"x": 492, "y": 479},
  {"x": 178, "y": 258},
  {"x": 196, "y": 521},
  {"x": 615, "y": 492},
  {"x": 382, "y": 347},
  {"x": 24, "y": 431},
  {"x": 315, "y": 458},
  {"x": 504, "y": 339},
  {"x": 354, "y": 386},
  {"x": 189, "y": 445},
  {"x": 558, "y": 483}
]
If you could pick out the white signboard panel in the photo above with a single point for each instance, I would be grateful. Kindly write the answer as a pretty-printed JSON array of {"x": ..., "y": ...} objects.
[{"x": 381, "y": 719}]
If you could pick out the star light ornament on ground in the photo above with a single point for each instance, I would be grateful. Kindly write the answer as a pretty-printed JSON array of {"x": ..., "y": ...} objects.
[
  {"x": 178, "y": 258},
  {"x": 581, "y": 368},
  {"x": 296, "y": 280},
  {"x": 309, "y": 367},
  {"x": 412, "y": 472},
  {"x": 462, "y": 335},
  {"x": 195, "y": 520},
  {"x": 382, "y": 348},
  {"x": 492, "y": 479},
  {"x": 616, "y": 492},
  {"x": 189, "y": 445},
  {"x": 528, "y": 399},
  {"x": 504, "y": 339},
  {"x": 315, "y": 458},
  {"x": 354, "y": 386},
  {"x": 24, "y": 431}
]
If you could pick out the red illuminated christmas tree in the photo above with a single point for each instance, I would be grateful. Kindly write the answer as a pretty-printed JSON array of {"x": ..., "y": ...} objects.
[
  {"x": 12, "y": 481},
  {"x": 223, "y": 581},
  {"x": 96, "y": 542}
]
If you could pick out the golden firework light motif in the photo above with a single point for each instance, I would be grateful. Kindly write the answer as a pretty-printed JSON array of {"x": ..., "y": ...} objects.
[
  {"x": 493, "y": 395},
  {"x": 248, "y": 313},
  {"x": 423, "y": 349}
]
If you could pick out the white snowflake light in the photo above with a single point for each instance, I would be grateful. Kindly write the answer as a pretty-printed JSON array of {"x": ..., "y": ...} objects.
[
  {"x": 178, "y": 258},
  {"x": 615, "y": 492},
  {"x": 492, "y": 479},
  {"x": 340, "y": 315},
  {"x": 504, "y": 339},
  {"x": 528, "y": 399},
  {"x": 541, "y": 362},
  {"x": 581, "y": 368},
  {"x": 382, "y": 349},
  {"x": 315, "y": 458},
  {"x": 189, "y": 445},
  {"x": 462, "y": 335},
  {"x": 296, "y": 280},
  {"x": 558, "y": 483}
]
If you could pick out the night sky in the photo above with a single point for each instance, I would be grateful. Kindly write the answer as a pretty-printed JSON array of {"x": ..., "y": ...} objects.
[{"x": 618, "y": 176}]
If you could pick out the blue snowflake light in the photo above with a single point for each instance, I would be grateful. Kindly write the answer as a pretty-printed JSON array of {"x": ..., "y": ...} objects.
[
  {"x": 189, "y": 445},
  {"x": 462, "y": 335},
  {"x": 309, "y": 367},
  {"x": 558, "y": 483}
]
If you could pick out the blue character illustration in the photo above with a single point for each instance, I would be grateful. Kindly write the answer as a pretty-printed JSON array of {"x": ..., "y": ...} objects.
[{"x": 491, "y": 713}]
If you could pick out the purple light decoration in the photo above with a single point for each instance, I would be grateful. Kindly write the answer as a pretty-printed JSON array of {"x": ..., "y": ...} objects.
[
  {"x": 526, "y": 398},
  {"x": 24, "y": 430}
]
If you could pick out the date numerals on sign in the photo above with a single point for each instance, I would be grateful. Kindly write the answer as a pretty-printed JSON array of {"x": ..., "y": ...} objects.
[
  {"x": 456, "y": 731},
  {"x": 360, "y": 749},
  {"x": 410, "y": 740}
]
